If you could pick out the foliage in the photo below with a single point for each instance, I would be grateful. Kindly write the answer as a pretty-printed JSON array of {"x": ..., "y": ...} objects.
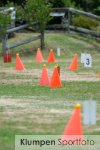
[
  {"x": 86, "y": 5},
  {"x": 57, "y": 3},
  {"x": 68, "y": 3},
  {"x": 85, "y": 22},
  {"x": 97, "y": 10},
  {"x": 61, "y": 3},
  {"x": 4, "y": 22},
  {"x": 35, "y": 11}
]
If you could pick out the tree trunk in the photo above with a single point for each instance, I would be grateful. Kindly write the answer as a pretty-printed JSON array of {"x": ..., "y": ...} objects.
[{"x": 42, "y": 40}]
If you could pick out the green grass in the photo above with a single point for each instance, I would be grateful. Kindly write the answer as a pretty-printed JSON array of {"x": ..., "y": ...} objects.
[
  {"x": 27, "y": 108},
  {"x": 70, "y": 90},
  {"x": 68, "y": 43}
]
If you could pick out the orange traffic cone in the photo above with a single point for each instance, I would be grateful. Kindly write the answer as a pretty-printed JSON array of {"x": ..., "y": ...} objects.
[
  {"x": 39, "y": 57},
  {"x": 74, "y": 64},
  {"x": 98, "y": 76},
  {"x": 74, "y": 127},
  {"x": 44, "y": 79},
  {"x": 55, "y": 80},
  {"x": 19, "y": 63},
  {"x": 51, "y": 57}
]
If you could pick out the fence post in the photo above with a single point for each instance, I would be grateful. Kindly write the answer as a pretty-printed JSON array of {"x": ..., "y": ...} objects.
[
  {"x": 69, "y": 20},
  {"x": 4, "y": 45}
]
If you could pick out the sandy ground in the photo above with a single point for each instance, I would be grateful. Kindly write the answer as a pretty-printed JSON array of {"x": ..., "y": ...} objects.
[
  {"x": 11, "y": 76},
  {"x": 24, "y": 112}
]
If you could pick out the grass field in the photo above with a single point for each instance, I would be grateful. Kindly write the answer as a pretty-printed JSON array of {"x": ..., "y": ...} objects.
[{"x": 27, "y": 108}]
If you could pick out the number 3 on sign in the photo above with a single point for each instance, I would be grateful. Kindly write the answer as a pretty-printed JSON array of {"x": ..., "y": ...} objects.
[{"x": 88, "y": 61}]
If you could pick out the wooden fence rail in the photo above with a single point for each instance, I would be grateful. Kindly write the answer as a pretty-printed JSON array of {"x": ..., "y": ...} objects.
[
  {"x": 86, "y": 31},
  {"x": 90, "y": 15},
  {"x": 17, "y": 28},
  {"x": 76, "y": 11},
  {"x": 68, "y": 16},
  {"x": 24, "y": 41},
  {"x": 6, "y": 46}
]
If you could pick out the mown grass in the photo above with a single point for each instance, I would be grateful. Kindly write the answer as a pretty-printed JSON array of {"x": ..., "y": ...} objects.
[
  {"x": 27, "y": 108},
  {"x": 70, "y": 90}
]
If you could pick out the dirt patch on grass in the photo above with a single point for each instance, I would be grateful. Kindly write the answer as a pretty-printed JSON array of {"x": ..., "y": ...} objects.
[
  {"x": 16, "y": 81},
  {"x": 68, "y": 76},
  {"x": 30, "y": 112},
  {"x": 11, "y": 76},
  {"x": 24, "y": 113}
]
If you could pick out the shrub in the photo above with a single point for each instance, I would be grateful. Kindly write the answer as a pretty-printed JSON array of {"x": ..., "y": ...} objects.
[
  {"x": 85, "y": 22},
  {"x": 97, "y": 10},
  {"x": 4, "y": 22}
]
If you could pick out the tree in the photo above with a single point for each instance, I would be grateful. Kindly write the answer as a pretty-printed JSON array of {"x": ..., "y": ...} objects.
[
  {"x": 57, "y": 3},
  {"x": 36, "y": 11},
  {"x": 68, "y": 3},
  {"x": 4, "y": 22}
]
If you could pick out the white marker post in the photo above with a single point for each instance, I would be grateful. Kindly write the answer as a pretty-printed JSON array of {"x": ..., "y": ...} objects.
[
  {"x": 89, "y": 112},
  {"x": 83, "y": 57},
  {"x": 88, "y": 61},
  {"x": 58, "y": 51},
  {"x": 13, "y": 16}
]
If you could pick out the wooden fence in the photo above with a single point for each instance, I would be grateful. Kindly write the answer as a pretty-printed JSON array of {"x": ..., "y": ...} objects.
[
  {"x": 64, "y": 12},
  {"x": 69, "y": 12},
  {"x": 6, "y": 46}
]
